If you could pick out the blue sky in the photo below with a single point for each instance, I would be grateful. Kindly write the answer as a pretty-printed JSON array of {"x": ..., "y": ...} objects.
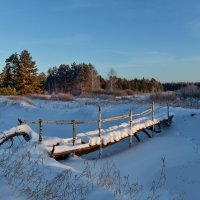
[{"x": 138, "y": 38}]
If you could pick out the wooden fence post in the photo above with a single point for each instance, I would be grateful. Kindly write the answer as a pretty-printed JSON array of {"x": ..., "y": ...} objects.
[
  {"x": 99, "y": 128},
  {"x": 168, "y": 112},
  {"x": 74, "y": 132},
  {"x": 153, "y": 110},
  {"x": 40, "y": 131},
  {"x": 131, "y": 127}
]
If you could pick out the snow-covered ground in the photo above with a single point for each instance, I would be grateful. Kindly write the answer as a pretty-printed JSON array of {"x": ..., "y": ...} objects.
[{"x": 178, "y": 145}]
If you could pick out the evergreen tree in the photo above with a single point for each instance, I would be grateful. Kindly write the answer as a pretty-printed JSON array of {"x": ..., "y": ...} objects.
[
  {"x": 52, "y": 80},
  {"x": 9, "y": 73},
  {"x": 64, "y": 77},
  {"x": 41, "y": 82},
  {"x": 20, "y": 73},
  {"x": 27, "y": 79}
]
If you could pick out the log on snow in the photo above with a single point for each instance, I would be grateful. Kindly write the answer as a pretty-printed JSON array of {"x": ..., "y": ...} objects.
[{"x": 5, "y": 137}]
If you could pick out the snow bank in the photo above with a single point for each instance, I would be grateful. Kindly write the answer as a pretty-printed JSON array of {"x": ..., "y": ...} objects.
[{"x": 17, "y": 101}]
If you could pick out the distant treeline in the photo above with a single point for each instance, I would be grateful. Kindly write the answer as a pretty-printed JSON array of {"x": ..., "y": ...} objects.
[
  {"x": 20, "y": 76},
  {"x": 84, "y": 77},
  {"x": 178, "y": 85}
]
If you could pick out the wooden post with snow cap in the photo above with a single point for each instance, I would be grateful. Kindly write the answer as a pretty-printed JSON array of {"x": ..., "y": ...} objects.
[
  {"x": 40, "y": 131},
  {"x": 74, "y": 132},
  {"x": 99, "y": 128},
  {"x": 153, "y": 110}
]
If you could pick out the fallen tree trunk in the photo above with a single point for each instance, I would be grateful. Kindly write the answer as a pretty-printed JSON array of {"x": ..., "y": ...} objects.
[{"x": 7, "y": 137}]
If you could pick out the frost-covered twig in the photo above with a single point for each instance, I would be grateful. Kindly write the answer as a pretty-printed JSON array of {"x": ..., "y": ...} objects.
[{"x": 156, "y": 184}]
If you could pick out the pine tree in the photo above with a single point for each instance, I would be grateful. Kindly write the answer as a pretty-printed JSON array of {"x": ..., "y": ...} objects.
[
  {"x": 63, "y": 77},
  {"x": 41, "y": 80},
  {"x": 20, "y": 73},
  {"x": 52, "y": 80},
  {"x": 27, "y": 79},
  {"x": 8, "y": 75}
]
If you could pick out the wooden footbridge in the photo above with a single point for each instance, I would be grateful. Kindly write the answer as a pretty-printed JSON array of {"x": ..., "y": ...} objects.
[{"x": 100, "y": 141}]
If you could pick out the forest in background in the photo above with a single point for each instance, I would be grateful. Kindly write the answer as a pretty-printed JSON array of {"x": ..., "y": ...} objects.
[{"x": 20, "y": 77}]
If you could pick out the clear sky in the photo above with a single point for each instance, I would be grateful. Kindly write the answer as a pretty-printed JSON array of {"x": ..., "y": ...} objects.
[{"x": 138, "y": 38}]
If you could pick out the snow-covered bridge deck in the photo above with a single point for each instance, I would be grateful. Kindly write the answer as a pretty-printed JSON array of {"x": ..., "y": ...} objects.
[{"x": 109, "y": 138}]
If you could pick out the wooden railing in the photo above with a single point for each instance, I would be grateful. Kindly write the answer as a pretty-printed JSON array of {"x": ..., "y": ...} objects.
[{"x": 99, "y": 122}]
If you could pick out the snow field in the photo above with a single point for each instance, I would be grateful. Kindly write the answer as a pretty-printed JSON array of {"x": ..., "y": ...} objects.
[{"x": 178, "y": 144}]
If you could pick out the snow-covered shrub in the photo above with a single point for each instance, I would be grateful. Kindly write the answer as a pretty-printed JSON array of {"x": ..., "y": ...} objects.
[
  {"x": 19, "y": 99},
  {"x": 111, "y": 178},
  {"x": 54, "y": 97},
  {"x": 130, "y": 92},
  {"x": 40, "y": 96},
  {"x": 63, "y": 97},
  {"x": 191, "y": 91},
  {"x": 24, "y": 167},
  {"x": 163, "y": 96},
  {"x": 28, "y": 174}
]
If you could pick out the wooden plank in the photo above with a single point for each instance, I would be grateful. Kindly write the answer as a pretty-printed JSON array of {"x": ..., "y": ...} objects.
[
  {"x": 126, "y": 116},
  {"x": 58, "y": 121},
  {"x": 84, "y": 122},
  {"x": 115, "y": 118},
  {"x": 29, "y": 123},
  {"x": 145, "y": 112}
]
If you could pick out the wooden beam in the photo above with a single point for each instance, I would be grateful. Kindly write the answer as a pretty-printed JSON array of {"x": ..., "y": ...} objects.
[
  {"x": 154, "y": 129},
  {"x": 145, "y": 131},
  {"x": 137, "y": 137}
]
